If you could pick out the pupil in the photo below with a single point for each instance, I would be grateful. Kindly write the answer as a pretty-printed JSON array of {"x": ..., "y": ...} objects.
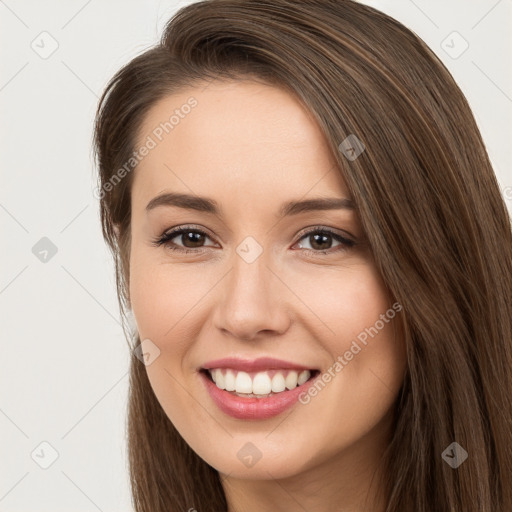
[
  {"x": 325, "y": 239},
  {"x": 193, "y": 238},
  {"x": 317, "y": 241}
]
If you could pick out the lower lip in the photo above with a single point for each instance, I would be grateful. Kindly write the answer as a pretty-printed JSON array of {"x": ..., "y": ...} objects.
[{"x": 253, "y": 408}]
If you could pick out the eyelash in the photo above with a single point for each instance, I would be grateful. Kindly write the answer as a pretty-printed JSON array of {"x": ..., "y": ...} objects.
[{"x": 166, "y": 238}]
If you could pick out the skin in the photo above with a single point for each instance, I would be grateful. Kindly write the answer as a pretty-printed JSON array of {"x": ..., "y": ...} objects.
[{"x": 252, "y": 147}]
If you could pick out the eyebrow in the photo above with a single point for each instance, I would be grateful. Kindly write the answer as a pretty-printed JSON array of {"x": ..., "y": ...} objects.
[{"x": 205, "y": 204}]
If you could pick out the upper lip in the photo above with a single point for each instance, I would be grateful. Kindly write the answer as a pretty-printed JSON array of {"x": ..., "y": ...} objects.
[{"x": 254, "y": 365}]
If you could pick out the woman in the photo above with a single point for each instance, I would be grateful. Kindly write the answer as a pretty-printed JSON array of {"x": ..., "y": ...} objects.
[{"x": 312, "y": 242}]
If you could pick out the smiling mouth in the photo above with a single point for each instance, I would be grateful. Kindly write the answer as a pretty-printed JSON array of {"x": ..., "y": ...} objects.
[{"x": 260, "y": 384}]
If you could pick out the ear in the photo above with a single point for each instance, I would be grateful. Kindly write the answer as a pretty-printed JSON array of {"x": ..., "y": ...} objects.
[{"x": 116, "y": 230}]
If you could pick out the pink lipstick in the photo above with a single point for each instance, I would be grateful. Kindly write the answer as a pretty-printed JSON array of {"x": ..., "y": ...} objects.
[{"x": 251, "y": 407}]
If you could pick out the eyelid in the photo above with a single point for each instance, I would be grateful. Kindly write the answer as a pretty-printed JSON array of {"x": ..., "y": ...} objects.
[
  {"x": 318, "y": 227},
  {"x": 303, "y": 232},
  {"x": 171, "y": 233},
  {"x": 345, "y": 241}
]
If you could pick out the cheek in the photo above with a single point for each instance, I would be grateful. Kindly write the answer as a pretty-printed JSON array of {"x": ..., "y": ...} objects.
[
  {"x": 161, "y": 299},
  {"x": 361, "y": 332},
  {"x": 162, "y": 295},
  {"x": 368, "y": 335},
  {"x": 345, "y": 301}
]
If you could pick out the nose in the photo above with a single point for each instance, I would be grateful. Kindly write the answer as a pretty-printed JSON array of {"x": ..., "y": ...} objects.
[{"x": 251, "y": 301}]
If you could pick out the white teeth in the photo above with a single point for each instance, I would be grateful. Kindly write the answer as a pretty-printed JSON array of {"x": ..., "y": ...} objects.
[
  {"x": 291, "y": 380},
  {"x": 229, "y": 381},
  {"x": 261, "y": 384},
  {"x": 278, "y": 383},
  {"x": 303, "y": 377},
  {"x": 220, "y": 380},
  {"x": 243, "y": 383}
]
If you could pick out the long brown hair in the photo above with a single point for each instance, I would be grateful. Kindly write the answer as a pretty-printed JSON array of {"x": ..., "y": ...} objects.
[{"x": 428, "y": 201}]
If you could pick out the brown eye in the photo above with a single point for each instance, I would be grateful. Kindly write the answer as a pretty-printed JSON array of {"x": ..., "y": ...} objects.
[
  {"x": 322, "y": 241},
  {"x": 192, "y": 239},
  {"x": 183, "y": 239}
]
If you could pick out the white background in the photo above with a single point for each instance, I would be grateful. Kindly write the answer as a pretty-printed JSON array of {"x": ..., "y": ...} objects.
[{"x": 64, "y": 370}]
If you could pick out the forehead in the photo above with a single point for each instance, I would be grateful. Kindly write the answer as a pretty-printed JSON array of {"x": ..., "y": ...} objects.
[{"x": 238, "y": 137}]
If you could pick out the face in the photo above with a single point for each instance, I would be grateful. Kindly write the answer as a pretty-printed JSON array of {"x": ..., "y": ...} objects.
[{"x": 285, "y": 294}]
